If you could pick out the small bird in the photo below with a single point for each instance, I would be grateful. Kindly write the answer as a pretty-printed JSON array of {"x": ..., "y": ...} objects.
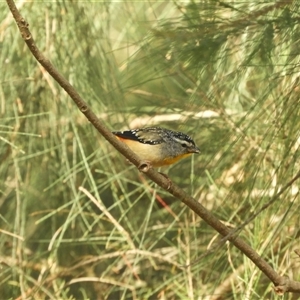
[{"x": 158, "y": 146}]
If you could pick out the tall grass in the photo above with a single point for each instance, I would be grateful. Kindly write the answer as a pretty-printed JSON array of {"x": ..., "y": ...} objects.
[{"x": 79, "y": 222}]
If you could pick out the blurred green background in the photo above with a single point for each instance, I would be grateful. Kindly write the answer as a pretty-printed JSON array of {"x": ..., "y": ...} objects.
[{"x": 76, "y": 220}]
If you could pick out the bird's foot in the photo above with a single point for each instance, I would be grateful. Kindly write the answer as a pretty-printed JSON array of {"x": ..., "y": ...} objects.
[
  {"x": 146, "y": 165},
  {"x": 168, "y": 178}
]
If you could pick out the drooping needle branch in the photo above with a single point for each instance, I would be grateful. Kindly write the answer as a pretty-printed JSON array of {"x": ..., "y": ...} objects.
[{"x": 282, "y": 283}]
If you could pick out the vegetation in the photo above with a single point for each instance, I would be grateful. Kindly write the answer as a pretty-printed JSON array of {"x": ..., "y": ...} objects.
[{"x": 78, "y": 221}]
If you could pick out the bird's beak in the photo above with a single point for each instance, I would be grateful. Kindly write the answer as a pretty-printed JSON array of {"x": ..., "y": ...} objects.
[{"x": 195, "y": 150}]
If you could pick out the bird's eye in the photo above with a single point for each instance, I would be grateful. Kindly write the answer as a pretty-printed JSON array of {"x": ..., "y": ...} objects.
[{"x": 184, "y": 145}]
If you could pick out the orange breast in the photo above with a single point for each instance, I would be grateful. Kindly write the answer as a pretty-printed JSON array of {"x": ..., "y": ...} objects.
[{"x": 172, "y": 160}]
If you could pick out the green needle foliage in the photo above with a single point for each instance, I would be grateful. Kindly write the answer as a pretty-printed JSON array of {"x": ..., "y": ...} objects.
[{"x": 76, "y": 220}]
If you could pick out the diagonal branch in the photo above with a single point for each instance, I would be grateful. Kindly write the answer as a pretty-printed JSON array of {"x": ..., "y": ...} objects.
[{"x": 282, "y": 284}]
